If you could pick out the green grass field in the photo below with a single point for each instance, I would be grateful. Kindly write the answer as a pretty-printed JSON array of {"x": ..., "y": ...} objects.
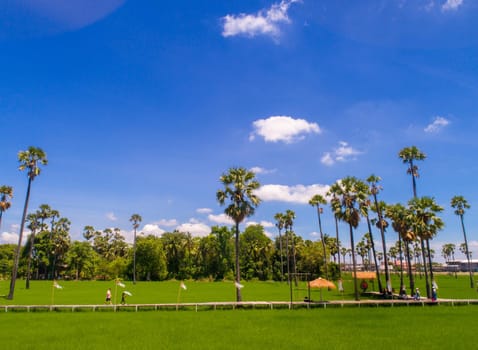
[
  {"x": 441, "y": 327},
  {"x": 93, "y": 292},
  {"x": 433, "y": 327}
]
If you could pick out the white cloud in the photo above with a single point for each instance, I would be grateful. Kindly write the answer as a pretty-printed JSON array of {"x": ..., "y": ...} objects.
[
  {"x": 290, "y": 194},
  {"x": 451, "y": 5},
  {"x": 195, "y": 228},
  {"x": 438, "y": 124},
  {"x": 343, "y": 153},
  {"x": 259, "y": 170},
  {"x": 265, "y": 224},
  {"x": 204, "y": 210},
  {"x": 264, "y": 22},
  {"x": 283, "y": 129},
  {"x": 167, "y": 222},
  {"x": 152, "y": 229},
  {"x": 8, "y": 238},
  {"x": 221, "y": 219},
  {"x": 111, "y": 216}
]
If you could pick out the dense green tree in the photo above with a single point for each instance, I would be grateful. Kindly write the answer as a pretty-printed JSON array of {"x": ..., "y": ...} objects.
[
  {"x": 239, "y": 190},
  {"x": 150, "y": 259},
  {"x": 459, "y": 203},
  {"x": 7, "y": 252},
  {"x": 33, "y": 224},
  {"x": 256, "y": 252},
  {"x": 6, "y": 195},
  {"x": 81, "y": 260},
  {"x": 30, "y": 160}
]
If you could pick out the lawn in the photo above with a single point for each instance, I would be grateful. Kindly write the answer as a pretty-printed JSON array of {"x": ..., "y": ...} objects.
[
  {"x": 438, "y": 327},
  {"x": 93, "y": 292}
]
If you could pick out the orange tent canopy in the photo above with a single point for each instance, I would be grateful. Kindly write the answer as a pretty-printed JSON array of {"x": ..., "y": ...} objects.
[
  {"x": 321, "y": 283},
  {"x": 366, "y": 275}
]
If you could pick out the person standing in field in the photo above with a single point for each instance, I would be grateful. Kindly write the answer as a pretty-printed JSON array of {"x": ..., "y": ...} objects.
[{"x": 108, "y": 296}]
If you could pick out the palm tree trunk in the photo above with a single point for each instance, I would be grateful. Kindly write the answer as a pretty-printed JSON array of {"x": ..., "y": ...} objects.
[
  {"x": 354, "y": 264},
  {"x": 20, "y": 236},
  {"x": 401, "y": 260},
  {"x": 410, "y": 272},
  {"x": 424, "y": 263},
  {"x": 430, "y": 263},
  {"x": 238, "y": 271},
  {"x": 32, "y": 242},
  {"x": 134, "y": 257},
  {"x": 281, "y": 258},
  {"x": 467, "y": 252},
  {"x": 372, "y": 243},
  {"x": 323, "y": 244},
  {"x": 338, "y": 243}
]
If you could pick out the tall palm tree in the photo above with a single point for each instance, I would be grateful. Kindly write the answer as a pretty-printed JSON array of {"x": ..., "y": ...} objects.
[
  {"x": 350, "y": 193},
  {"x": 381, "y": 223},
  {"x": 239, "y": 188},
  {"x": 135, "y": 219},
  {"x": 459, "y": 203},
  {"x": 31, "y": 159},
  {"x": 408, "y": 156},
  {"x": 401, "y": 224},
  {"x": 6, "y": 194},
  {"x": 290, "y": 239},
  {"x": 333, "y": 194},
  {"x": 316, "y": 201},
  {"x": 33, "y": 225},
  {"x": 280, "y": 222},
  {"x": 425, "y": 224},
  {"x": 364, "y": 207}
]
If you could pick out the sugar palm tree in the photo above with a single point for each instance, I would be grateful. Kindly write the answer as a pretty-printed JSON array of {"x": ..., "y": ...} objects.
[
  {"x": 400, "y": 217},
  {"x": 409, "y": 155},
  {"x": 290, "y": 240},
  {"x": 426, "y": 224},
  {"x": 135, "y": 220},
  {"x": 33, "y": 225},
  {"x": 239, "y": 188},
  {"x": 364, "y": 208},
  {"x": 30, "y": 160},
  {"x": 280, "y": 222},
  {"x": 375, "y": 188},
  {"x": 350, "y": 193},
  {"x": 333, "y": 194},
  {"x": 316, "y": 201},
  {"x": 6, "y": 194},
  {"x": 459, "y": 203}
]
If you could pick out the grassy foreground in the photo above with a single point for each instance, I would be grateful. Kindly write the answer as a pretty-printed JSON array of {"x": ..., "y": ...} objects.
[{"x": 439, "y": 327}]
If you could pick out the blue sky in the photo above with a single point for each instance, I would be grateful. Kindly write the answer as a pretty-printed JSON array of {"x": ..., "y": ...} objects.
[{"x": 142, "y": 105}]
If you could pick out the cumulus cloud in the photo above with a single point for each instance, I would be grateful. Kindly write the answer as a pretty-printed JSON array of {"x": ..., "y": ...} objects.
[
  {"x": 204, "y": 210},
  {"x": 437, "y": 125},
  {"x": 265, "y": 22},
  {"x": 152, "y": 229},
  {"x": 451, "y": 5},
  {"x": 283, "y": 129},
  {"x": 343, "y": 153},
  {"x": 111, "y": 216},
  {"x": 167, "y": 222},
  {"x": 195, "y": 228},
  {"x": 265, "y": 224},
  {"x": 8, "y": 238},
  {"x": 259, "y": 170},
  {"x": 222, "y": 219},
  {"x": 299, "y": 194}
]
